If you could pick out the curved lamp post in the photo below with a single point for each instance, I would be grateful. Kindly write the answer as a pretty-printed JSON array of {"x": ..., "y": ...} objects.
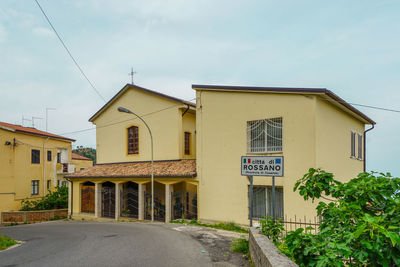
[{"x": 122, "y": 109}]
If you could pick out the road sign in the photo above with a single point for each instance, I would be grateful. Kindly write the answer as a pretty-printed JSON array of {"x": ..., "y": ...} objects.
[{"x": 262, "y": 166}]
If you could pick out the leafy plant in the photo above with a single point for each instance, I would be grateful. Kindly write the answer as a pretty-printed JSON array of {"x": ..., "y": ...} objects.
[
  {"x": 240, "y": 245},
  {"x": 359, "y": 227},
  {"x": 272, "y": 228},
  {"x": 57, "y": 199},
  {"x": 6, "y": 242}
]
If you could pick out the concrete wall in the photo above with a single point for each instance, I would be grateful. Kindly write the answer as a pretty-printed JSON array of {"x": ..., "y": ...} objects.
[
  {"x": 264, "y": 253},
  {"x": 165, "y": 125},
  {"x": 81, "y": 164},
  {"x": 313, "y": 135},
  {"x": 17, "y": 171}
]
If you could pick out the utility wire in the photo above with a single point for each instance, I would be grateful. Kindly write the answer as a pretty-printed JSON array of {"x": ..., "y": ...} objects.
[
  {"x": 113, "y": 123},
  {"x": 69, "y": 53},
  {"x": 361, "y": 105}
]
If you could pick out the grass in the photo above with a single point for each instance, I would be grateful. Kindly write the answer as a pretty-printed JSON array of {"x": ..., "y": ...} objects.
[
  {"x": 229, "y": 226},
  {"x": 240, "y": 245},
  {"x": 6, "y": 242}
]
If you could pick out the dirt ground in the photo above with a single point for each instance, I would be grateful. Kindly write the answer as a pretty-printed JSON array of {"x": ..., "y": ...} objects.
[{"x": 217, "y": 244}]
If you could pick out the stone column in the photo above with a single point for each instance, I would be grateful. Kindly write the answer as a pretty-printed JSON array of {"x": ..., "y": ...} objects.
[
  {"x": 141, "y": 190},
  {"x": 117, "y": 200},
  {"x": 97, "y": 200},
  {"x": 168, "y": 191}
]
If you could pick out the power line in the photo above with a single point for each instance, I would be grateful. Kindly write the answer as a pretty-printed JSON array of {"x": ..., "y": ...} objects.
[
  {"x": 110, "y": 124},
  {"x": 69, "y": 53}
]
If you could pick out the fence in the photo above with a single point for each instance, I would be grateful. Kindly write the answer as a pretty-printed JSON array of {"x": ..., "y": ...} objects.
[
  {"x": 32, "y": 216},
  {"x": 296, "y": 223}
]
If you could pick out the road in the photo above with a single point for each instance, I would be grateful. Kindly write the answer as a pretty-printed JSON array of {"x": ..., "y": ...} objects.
[{"x": 73, "y": 243}]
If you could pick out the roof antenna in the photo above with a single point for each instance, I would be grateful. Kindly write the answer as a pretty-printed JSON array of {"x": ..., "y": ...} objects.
[
  {"x": 24, "y": 119},
  {"x": 131, "y": 74},
  {"x": 33, "y": 120}
]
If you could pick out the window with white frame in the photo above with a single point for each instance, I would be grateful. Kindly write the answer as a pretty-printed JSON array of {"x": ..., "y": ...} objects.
[
  {"x": 264, "y": 135},
  {"x": 353, "y": 144},
  {"x": 35, "y": 187},
  {"x": 360, "y": 146}
]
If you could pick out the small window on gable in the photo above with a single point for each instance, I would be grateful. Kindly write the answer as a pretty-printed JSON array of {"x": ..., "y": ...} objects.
[
  {"x": 133, "y": 140},
  {"x": 360, "y": 146},
  {"x": 48, "y": 155},
  {"x": 353, "y": 145},
  {"x": 187, "y": 143},
  {"x": 35, "y": 156}
]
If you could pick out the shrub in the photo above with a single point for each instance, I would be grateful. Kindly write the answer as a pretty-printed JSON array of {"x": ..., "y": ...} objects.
[
  {"x": 272, "y": 228},
  {"x": 53, "y": 200}
]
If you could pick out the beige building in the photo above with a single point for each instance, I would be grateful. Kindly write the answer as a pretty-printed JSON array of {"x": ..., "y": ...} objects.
[
  {"x": 198, "y": 147},
  {"x": 80, "y": 162},
  {"x": 33, "y": 162}
]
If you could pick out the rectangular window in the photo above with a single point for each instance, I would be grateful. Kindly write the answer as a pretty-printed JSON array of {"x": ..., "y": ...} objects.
[
  {"x": 58, "y": 157},
  {"x": 187, "y": 143},
  {"x": 360, "y": 146},
  {"x": 264, "y": 135},
  {"x": 262, "y": 201},
  {"x": 133, "y": 140},
  {"x": 35, "y": 187},
  {"x": 48, "y": 155},
  {"x": 35, "y": 156},
  {"x": 48, "y": 185},
  {"x": 353, "y": 145}
]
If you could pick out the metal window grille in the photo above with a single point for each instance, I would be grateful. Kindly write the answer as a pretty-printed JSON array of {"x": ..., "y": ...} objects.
[
  {"x": 35, "y": 156},
  {"x": 278, "y": 201},
  {"x": 35, "y": 187},
  {"x": 264, "y": 135},
  {"x": 262, "y": 202},
  {"x": 133, "y": 140},
  {"x": 359, "y": 146},
  {"x": 353, "y": 145}
]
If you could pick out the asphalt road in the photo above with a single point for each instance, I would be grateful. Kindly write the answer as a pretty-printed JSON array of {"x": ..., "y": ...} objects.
[{"x": 70, "y": 243}]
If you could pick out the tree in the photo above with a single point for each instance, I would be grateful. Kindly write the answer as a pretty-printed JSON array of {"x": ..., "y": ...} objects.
[
  {"x": 360, "y": 222},
  {"x": 86, "y": 152}
]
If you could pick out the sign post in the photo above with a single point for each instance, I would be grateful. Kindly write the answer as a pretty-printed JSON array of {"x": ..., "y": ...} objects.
[{"x": 261, "y": 166}]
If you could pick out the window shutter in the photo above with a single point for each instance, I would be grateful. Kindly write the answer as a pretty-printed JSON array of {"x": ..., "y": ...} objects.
[{"x": 360, "y": 146}]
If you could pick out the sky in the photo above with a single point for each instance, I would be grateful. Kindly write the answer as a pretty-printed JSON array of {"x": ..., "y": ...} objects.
[{"x": 349, "y": 47}]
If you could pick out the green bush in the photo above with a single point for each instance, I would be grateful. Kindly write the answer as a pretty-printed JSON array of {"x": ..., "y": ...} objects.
[
  {"x": 359, "y": 227},
  {"x": 272, "y": 228},
  {"x": 53, "y": 200}
]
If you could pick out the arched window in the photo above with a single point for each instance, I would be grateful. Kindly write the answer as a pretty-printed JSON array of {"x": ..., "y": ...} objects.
[{"x": 133, "y": 140}]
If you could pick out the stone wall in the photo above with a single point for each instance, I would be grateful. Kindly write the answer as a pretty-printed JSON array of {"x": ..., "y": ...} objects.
[
  {"x": 264, "y": 253},
  {"x": 32, "y": 216}
]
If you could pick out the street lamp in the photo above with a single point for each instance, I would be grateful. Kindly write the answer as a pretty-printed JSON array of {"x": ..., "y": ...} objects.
[{"x": 122, "y": 109}]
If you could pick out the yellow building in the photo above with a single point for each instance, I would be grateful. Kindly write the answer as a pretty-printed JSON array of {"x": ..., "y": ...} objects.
[
  {"x": 80, "y": 162},
  {"x": 197, "y": 152},
  {"x": 119, "y": 185},
  {"x": 308, "y": 127},
  {"x": 32, "y": 163}
]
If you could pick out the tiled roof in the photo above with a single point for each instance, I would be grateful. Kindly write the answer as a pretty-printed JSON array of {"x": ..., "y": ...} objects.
[
  {"x": 28, "y": 130},
  {"x": 166, "y": 168},
  {"x": 76, "y": 156}
]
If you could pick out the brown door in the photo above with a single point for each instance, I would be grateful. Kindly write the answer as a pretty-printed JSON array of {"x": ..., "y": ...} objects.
[{"x": 87, "y": 198}]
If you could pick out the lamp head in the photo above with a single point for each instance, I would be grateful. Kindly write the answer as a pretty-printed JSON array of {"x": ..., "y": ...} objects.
[{"x": 122, "y": 109}]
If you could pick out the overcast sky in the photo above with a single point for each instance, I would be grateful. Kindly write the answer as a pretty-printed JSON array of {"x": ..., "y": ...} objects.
[{"x": 349, "y": 47}]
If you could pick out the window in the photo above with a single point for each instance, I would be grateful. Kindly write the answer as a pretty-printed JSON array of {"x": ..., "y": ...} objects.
[
  {"x": 64, "y": 183},
  {"x": 187, "y": 143},
  {"x": 35, "y": 158},
  {"x": 48, "y": 155},
  {"x": 353, "y": 145},
  {"x": 48, "y": 184},
  {"x": 264, "y": 135},
  {"x": 360, "y": 147},
  {"x": 58, "y": 157},
  {"x": 262, "y": 201},
  {"x": 133, "y": 140},
  {"x": 35, "y": 187}
]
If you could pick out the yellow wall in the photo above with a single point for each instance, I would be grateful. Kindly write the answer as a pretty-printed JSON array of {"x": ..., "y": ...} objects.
[
  {"x": 17, "y": 171},
  {"x": 222, "y": 139},
  {"x": 188, "y": 125},
  {"x": 165, "y": 125},
  {"x": 81, "y": 164}
]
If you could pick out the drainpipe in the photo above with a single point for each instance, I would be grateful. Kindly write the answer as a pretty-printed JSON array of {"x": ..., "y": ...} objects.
[
  {"x": 72, "y": 196},
  {"x": 183, "y": 114},
  {"x": 365, "y": 146},
  {"x": 44, "y": 167}
]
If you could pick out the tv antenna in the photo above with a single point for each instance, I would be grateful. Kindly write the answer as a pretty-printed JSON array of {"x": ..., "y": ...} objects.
[
  {"x": 24, "y": 119},
  {"x": 33, "y": 120},
  {"x": 131, "y": 74}
]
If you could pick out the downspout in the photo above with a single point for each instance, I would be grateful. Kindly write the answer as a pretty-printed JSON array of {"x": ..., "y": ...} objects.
[
  {"x": 186, "y": 110},
  {"x": 44, "y": 167},
  {"x": 72, "y": 196},
  {"x": 365, "y": 146}
]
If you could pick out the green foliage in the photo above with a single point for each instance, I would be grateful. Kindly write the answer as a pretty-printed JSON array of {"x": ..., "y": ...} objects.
[
  {"x": 86, "y": 152},
  {"x": 272, "y": 228},
  {"x": 360, "y": 228},
  {"x": 6, "y": 242},
  {"x": 240, "y": 245},
  {"x": 53, "y": 200},
  {"x": 229, "y": 226}
]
